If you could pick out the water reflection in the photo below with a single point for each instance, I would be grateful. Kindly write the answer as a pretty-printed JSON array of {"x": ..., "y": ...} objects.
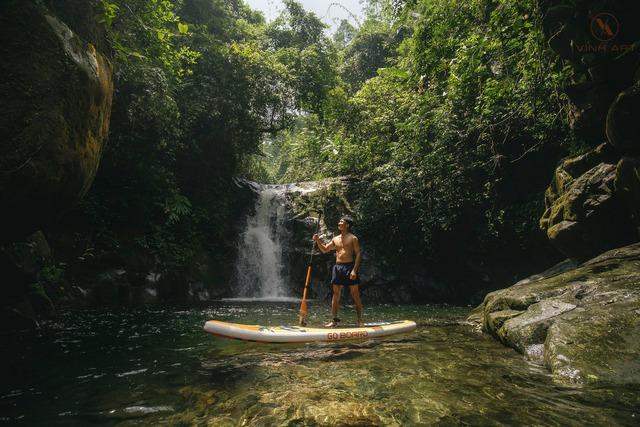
[{"x": 148, "y": 367}]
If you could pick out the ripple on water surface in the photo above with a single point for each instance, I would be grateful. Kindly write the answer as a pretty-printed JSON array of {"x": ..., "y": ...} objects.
[{"x": 145, "y": 367}]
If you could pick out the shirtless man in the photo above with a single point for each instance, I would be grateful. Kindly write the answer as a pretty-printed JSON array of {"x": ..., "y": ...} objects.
[{"x": 345, "y": 272}]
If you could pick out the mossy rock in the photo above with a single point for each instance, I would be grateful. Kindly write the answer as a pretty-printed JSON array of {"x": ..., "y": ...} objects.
[
  {"x": 587, "y": 319},
  {"x": 39, "y": 300},
  {"x": 584, "y": 213},
  {"x": 603, "y": 349}
]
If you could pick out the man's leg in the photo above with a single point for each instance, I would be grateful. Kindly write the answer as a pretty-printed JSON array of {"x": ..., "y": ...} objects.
[
  {"x": 355, "y": 294},
  {"x": 335, "y": 301}
]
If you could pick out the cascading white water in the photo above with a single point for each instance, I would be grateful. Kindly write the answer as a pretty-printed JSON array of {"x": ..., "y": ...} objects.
[{"x": 260, "y": 270}]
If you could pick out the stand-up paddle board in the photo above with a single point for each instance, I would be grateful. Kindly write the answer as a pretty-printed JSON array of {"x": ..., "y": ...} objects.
[{"x": 293, "y": 334}]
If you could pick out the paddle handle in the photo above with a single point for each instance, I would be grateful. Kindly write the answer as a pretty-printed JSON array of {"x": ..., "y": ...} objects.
[
  {"x": 306, "y": 283},
  {"x": 313, "y": 245},
  {"x": 303, "y": 303}
]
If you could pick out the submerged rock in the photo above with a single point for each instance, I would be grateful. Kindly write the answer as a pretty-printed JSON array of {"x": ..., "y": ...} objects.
[{"x": 583, "y": 323}]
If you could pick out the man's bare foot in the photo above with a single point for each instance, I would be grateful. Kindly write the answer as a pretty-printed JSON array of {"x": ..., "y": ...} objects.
[{"x": 333, "y": 323}]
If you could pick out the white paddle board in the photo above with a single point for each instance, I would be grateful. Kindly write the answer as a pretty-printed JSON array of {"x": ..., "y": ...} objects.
[{"x": 297, "y": 334}]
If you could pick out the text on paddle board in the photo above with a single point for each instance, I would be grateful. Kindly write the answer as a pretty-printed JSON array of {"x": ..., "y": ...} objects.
[{"x": 346, "y": 335}]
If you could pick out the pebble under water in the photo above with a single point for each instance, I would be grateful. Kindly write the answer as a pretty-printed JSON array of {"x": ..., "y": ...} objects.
[{"x": 155, "y": 366}]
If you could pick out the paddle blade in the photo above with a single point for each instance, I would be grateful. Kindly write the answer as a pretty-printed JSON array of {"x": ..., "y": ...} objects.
[
  {"x": 303, "y": 313},
  {"x": 302, "y": 321}
]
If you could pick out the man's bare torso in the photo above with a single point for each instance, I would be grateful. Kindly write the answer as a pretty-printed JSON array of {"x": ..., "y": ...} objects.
[{"x": 344, "y": 248}]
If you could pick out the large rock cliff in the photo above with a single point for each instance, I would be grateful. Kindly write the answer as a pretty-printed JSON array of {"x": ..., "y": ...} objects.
[
  {"x": 55, "y": 105},
  {"x": 592, "y": 202}
]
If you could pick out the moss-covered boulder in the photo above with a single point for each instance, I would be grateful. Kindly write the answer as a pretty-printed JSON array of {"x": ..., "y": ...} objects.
[
  {"x": 591, "y": 204},
  {"x": 55, "y": 105},
  {"x": 583, "y": 324},
  {"x": 584, "y": 213}
]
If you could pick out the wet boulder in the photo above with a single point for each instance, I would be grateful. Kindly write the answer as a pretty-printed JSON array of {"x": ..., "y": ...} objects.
[
  {"x": 55, "y": 106},
  {"x": 582, "y": 324}
]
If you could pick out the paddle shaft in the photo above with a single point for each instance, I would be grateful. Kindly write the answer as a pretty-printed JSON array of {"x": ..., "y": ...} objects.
[{"x": 303, "y": 304}]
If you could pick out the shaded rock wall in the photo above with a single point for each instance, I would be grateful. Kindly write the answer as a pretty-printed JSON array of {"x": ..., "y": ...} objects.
[
  {"x": 592, "y": 203},
  {"x": 380, "y": 282},
  {"x": 598, "y": 39},
  {"x": 23, "y": 266},
  {"x": 55, "y": 105}
]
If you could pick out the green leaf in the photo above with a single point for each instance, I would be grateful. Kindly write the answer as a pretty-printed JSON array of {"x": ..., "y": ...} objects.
[{"x": 183, "y": 28}]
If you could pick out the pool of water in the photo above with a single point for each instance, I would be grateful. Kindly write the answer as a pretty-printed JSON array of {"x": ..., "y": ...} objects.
[{"x": 156, "y": 366}]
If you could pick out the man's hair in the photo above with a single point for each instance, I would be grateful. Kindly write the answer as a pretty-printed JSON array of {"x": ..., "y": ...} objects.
[{"x": 348, "y": 220}]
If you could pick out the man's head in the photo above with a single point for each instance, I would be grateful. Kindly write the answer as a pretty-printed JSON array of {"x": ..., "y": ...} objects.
[{"x": 345, "y": 223}]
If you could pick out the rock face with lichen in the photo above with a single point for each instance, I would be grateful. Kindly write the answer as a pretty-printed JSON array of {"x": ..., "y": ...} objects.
[
  {"x": 581, "y": 322},
  {"x": 55, "y": 105},
  {"x": 592, "y": 202},
  {"x": 586, "y": 210}
]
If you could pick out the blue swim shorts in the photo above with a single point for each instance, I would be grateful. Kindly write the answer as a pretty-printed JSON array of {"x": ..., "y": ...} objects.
[{"x": 340, "y": 274}]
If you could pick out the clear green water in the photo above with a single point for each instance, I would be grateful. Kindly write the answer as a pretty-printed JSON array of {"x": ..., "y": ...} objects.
[{"x": 156, "y": 367}]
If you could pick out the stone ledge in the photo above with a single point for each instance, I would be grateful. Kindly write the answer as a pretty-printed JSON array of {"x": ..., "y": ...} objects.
[{"x": 582, "y": 324}]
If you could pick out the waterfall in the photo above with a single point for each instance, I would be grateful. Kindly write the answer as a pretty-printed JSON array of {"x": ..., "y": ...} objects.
[{"x": 260, "y": 268}]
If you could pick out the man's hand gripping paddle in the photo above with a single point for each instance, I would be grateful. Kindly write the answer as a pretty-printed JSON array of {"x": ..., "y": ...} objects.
[{"x": 303, "y": 305}]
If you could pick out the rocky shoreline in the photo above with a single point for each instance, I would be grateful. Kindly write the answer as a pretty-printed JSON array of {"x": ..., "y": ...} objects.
[{"x": 582, "y": 322}]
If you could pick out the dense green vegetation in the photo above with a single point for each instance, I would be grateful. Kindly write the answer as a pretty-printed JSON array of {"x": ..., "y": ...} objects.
[
  {"x": 451, "y": 114},
  {"x": 448, "y": 114},
  {"x": 198, "y": 84}
]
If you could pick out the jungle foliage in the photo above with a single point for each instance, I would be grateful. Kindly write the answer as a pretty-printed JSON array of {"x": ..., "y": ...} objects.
[
  {"x": 452, "y": 117},
  {"x": 198, "y": 83},
  {"x": 449, "y": 115}
]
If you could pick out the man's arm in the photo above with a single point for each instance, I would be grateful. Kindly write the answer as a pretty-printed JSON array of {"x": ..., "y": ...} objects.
[
  {"x": 358, "y": 254},
  {"x": 324, "y": 248}
]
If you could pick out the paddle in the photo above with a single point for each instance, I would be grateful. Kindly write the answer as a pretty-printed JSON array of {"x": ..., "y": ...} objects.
[{"x": 303, "y": 304}]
